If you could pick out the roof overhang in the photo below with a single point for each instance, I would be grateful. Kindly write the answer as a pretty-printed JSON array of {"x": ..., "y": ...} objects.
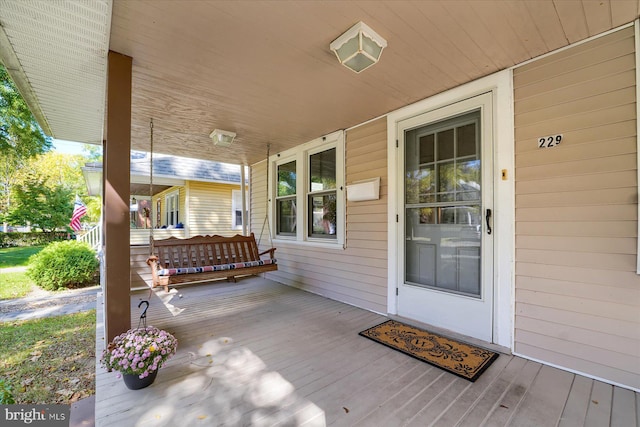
[
  {"x": 56, "y": 53},
  {"x": 140, "y": 185}
]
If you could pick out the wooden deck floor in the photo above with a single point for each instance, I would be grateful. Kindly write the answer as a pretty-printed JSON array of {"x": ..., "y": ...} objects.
[{"x": 257, "y": 353}]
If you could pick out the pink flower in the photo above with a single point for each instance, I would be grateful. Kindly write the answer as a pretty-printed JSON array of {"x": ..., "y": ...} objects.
[{"x": 139, "y": 351}]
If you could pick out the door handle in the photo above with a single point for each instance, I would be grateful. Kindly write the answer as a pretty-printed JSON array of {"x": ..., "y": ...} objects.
[{"x": 488, "y": 218}]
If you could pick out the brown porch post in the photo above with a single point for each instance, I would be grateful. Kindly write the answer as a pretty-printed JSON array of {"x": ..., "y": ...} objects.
[{"x": 116, "y": 196}]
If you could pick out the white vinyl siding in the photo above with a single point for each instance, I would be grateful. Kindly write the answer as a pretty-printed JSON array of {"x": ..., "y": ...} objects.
[
  {"x": 356, "y": 275},
  {"x": 577, "y": 293},
  {"x": 140, "y": 271}
]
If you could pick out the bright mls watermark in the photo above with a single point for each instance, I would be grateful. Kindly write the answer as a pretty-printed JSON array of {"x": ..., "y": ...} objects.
[{"x": 35, "y": 415}]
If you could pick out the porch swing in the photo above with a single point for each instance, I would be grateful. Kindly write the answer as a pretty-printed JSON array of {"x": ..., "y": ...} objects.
[{"x": 204, "y": 258}]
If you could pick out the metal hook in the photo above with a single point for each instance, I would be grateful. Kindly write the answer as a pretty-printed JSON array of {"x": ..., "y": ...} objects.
[{"x": 143, "y": 316}]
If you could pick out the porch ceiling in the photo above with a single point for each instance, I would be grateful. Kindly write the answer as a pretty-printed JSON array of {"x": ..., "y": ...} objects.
[{"x": 264, "y": 69}]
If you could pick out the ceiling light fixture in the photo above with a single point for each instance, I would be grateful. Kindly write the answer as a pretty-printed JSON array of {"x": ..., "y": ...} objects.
[
  {"x": 222, "y": 138},
  {"x": 359, "y": 47}
]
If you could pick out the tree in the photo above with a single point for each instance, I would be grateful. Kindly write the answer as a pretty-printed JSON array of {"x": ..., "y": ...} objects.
[
  {"x": 58, "y": 170},
  {"x": 63, "y": 170},
  {"x": 92, "y": 153},
  {"x": 47, "y": 208},
  {"x": 20, "y": 134},
  {"x": 20, "y": 137}
]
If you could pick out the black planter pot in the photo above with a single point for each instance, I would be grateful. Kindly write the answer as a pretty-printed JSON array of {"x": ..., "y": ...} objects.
[{"x": 134, "y": 382}]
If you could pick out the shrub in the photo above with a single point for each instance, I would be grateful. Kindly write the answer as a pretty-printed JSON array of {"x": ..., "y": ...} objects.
[
  {"x": 61, "y": 265},
  {"x": 6, "y": 395},
  {"x": 36, "y": 238}
]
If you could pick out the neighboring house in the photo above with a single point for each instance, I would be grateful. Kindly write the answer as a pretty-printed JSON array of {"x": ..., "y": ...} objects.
[
  {"x": 508, "y": 200},
  {"x": 199, "y": 196},
  {"x": 190, "y": 197},
  {"x": 187, "y": 194}
]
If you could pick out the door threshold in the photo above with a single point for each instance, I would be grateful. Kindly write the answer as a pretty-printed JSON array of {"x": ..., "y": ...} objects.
[{"x": 451, "y": 334}]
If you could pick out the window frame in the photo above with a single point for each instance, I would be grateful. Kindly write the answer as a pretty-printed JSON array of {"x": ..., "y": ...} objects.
[
  {"x": 310, "y": 193},
  {"x": 302, "y": 156},
  {"x": 277, "y": 198},
  {"x": 172, "y": 194},
  {"x": 236, "y": 205},
  {"x": 133, "y": 212}
]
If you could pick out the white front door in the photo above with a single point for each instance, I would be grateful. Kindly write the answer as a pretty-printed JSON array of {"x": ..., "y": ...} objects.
[{"x": 446, "y": 201}]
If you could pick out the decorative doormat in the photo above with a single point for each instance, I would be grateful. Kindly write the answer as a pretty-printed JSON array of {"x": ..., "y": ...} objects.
[{"x": 465, "y": 360}]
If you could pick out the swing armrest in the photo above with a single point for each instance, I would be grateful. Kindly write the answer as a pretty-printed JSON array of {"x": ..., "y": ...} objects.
[{"x": 269, "y": 251}]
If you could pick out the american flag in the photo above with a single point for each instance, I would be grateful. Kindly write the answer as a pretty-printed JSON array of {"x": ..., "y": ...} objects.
[{"x": 79, "y": 210}]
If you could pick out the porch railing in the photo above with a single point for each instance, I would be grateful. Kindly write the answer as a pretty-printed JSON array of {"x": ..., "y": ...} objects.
[
  {"x": 92, "y": 237},
  {"x": 137, "y": 236},
  {"x": 140, "y": 236}
]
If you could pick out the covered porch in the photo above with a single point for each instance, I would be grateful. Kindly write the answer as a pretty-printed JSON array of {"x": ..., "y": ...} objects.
[
  {"x": 261, "y": 353},
  {"x": 561, "y": 264}
]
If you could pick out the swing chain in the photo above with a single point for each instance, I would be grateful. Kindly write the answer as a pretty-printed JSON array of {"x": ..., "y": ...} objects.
[
  {"x": 151, "y": 185},
  {"x": 266, "y": 216}
]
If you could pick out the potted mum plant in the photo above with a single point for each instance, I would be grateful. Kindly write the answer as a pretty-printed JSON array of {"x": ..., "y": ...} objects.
[{"x": 138, "y": 354}]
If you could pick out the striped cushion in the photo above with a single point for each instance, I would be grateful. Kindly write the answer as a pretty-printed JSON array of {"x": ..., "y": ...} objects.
[{"x": 234, "y": 266}]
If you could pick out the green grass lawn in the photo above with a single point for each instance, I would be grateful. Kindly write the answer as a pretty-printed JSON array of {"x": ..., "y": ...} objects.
[
  {"x": 49, "y": 360},
  {"x": 14, "y": 285},
  {"x": 17, "y": 257}
]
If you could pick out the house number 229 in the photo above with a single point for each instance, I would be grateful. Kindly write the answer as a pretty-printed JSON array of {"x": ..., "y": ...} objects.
[{"x": 549, "y": 141}]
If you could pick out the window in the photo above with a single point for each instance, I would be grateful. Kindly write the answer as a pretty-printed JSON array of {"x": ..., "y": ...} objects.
[
  {"x": 140, "y": 212},
  {"x": 133, "y": 213},
  {"x": 308, "y": 191},
  {"x": 322, "y": 194},
  {"x": 173, "y": 208},
  {"x": 286, "y": 200},
  {"x": 236, "y": 208}
]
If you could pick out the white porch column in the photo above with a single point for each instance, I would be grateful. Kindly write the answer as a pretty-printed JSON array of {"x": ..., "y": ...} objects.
[{"x": 243, "y": 190}]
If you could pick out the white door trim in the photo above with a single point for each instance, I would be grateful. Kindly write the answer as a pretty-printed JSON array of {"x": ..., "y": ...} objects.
[
  {"x": 501, "y": 84},
  {"x": 439, "y": 307}
]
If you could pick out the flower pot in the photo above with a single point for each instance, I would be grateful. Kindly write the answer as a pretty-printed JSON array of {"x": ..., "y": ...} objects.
[
  {"x": 142, "y": 350},
  {"x": 134, "y": 382}
]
